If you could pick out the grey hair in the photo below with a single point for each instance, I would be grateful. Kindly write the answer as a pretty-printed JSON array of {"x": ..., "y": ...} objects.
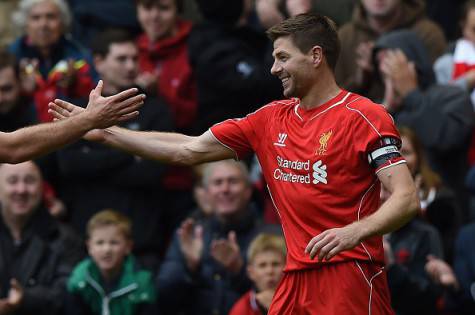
[
  {"x": 24, "y": 7},
  {"x": 209, "y": 167}
]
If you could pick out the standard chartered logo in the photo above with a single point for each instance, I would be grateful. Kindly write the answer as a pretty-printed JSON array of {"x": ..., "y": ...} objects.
[
  {"x": 319, "y": 172},
  {"x": 316, "y": 172}
]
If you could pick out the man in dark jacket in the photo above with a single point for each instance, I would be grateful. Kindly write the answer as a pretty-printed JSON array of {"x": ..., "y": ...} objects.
[
  {"x": 231, "y": 62},
  {"x": 204, "y": 270},
  {"x": 93, "y": 177},
  {"x": 36, "y": 253},
  {"x": 441, "y": 115}
]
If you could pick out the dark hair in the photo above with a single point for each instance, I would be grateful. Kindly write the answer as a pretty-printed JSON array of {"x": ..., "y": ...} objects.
[
  {"x": 151, "y": 3},
  {"x": 309, "y": 30},
  {"x": 101, "y": 43},
  {"x": 8, "y": 60}
]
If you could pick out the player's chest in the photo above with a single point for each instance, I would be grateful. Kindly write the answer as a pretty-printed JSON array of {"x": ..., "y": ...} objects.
[{"x": 306, "y": 153}]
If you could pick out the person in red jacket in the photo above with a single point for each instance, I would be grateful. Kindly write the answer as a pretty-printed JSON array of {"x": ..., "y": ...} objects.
[
  {"x": 163, "y": 57},
  {"x": 266, "y": 260}
]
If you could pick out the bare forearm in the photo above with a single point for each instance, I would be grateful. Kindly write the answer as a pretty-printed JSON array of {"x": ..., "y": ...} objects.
[
  {"x": 394, "y": 213},
  {"x": 31, "y": 142},
  {"x": 161, "y": 146}
]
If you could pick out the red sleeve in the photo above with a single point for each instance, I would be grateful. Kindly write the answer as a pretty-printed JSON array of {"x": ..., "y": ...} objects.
[
  {"x": 242, "y": 135},
  {"x": 372, "y": 124}
]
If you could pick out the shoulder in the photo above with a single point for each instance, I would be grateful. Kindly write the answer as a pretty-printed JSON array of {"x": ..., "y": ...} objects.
[
  {"x": 276, "y": 106},
  {"x": 363, "y": 108},
  {"x": 77, "y": 279}
]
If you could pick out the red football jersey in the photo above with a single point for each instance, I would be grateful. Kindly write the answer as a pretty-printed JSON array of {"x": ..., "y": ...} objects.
[{"x": 316, "y": 165}]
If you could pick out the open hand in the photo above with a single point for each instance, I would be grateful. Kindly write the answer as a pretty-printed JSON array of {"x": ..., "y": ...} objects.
[
  {"x": 191, "y": 243},
  {"x": 227, "y": 253}
]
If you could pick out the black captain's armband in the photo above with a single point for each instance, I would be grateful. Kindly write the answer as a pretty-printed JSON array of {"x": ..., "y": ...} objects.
[{"x": 386, "y": 150}]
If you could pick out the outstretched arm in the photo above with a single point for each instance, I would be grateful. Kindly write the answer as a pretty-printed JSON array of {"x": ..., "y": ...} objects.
[
  {"x": 400, "y": 207},
  {"x": 31, "y": 142},
  {"x": 162, "y": 146}
]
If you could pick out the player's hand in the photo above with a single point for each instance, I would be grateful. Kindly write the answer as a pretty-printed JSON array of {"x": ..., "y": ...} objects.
[
  {"x": 227, "y": 253},
  {"x": 191, "y": 243},
  {"x": 332, "y": 242},
  {"x": 106, "y": 111},
  {"x": 61, "y": 110}
]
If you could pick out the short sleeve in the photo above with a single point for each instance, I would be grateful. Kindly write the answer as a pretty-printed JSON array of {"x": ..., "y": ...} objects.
[
  {"x": 374, "y": 129},
  {"x": 242, "y": 135}
]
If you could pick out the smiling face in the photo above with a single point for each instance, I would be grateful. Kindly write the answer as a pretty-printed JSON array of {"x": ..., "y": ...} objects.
[
  {"x": 228, "y": 190},
  {"x": 108, "y": 247},
  {"x": 44, "y": 26},
  {"x": 20, "y": 188},
  {"x": 159, "y": 20},
  {"x": 294, "y": 68}
]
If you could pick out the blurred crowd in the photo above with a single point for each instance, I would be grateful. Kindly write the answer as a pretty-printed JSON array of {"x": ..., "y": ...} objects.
[{"x": 91, "y": 230}]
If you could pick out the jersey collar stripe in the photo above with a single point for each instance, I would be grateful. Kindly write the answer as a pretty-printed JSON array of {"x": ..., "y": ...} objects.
[{"x": 334, "y": 105}]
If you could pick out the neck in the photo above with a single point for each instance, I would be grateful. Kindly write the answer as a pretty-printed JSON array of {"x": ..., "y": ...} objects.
[
  {"x": 14, "y": 223},
  {"x": 321, "y": 92},
  {"x": 110, "y": 275},
  {"x": 384, "y": 24}
]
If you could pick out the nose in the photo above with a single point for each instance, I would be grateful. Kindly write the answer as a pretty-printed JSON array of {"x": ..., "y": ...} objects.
[{"x": 276, "y": 68}]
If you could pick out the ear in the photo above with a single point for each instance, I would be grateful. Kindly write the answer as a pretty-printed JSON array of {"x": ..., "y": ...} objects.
[{"x": 317, "y": 55}]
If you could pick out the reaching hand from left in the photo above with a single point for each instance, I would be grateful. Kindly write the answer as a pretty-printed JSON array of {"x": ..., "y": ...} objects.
[{"x": 332, "y": 242}]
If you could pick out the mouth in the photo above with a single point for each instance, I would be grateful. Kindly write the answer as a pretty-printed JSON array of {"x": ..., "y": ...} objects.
[{"x": 285, "y": 81}]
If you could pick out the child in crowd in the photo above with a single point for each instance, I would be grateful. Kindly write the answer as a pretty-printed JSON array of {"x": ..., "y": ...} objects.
[
  {"x": 266, "y": 260},
  {"x": 109, "y": 282}
]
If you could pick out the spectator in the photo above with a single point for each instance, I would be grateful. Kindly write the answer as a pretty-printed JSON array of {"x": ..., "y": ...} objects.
[
  {"x": 204, "y": 268},
  {"x": 457, "y": 66},
  {"x": 438, "y": 203},
  {"x": 163, "y": 53},
  {"x": 265, "y": 263},
  {"x": 440, "y": 115},
  {"x": 109, "y": 282},
  {"x": 459, "y": 281},
  {"x": 407, "y": 251},
  {"x": 113, "y": 179},
  {"x": 165, "y": 70},
  {"x": 52, "y": 65},
  {"x": 36, "y": 252},
  {"x": 371, "y": 19},
  {"x": 16, "y": 111},
  {"x": 231, "y": 63}
]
